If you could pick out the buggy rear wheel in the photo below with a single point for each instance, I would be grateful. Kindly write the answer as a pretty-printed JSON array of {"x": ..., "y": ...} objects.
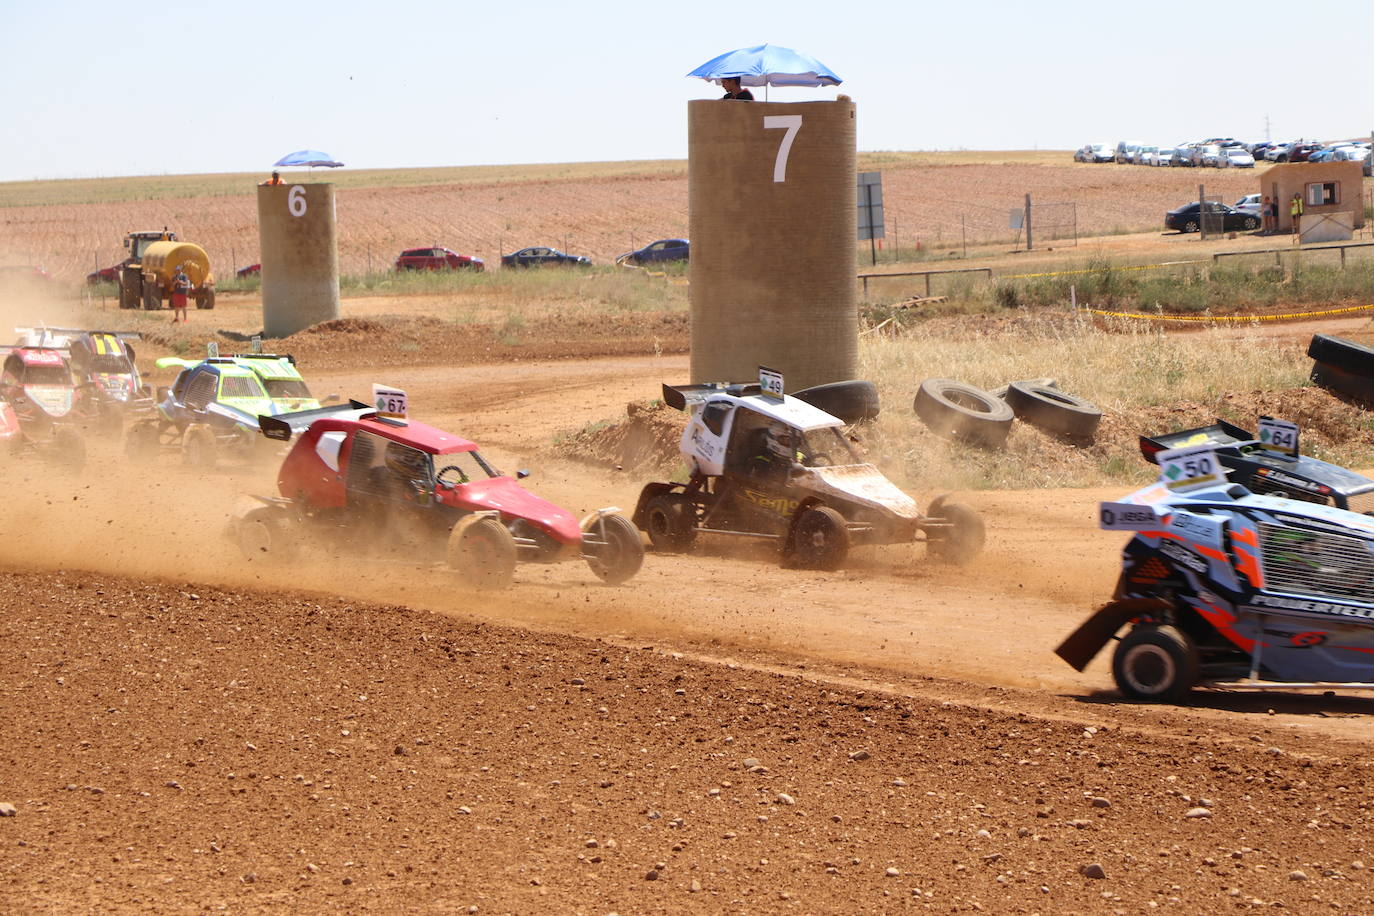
[
  {"x": 267, "y": 534},
  {"x": 671, "y": 523},
  {"x": 1159, "y": 664},
  {"x": 483, "y": 552},
  {"x": 962, "y": 540},
  {"x": 820, "y": 539},
  {"x": 622, "y": 554}
]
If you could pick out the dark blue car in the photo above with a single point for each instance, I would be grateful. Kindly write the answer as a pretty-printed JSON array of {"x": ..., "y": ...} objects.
[
  {"x": 539, "y": 256},
  {"x": 655, "y": 252}
]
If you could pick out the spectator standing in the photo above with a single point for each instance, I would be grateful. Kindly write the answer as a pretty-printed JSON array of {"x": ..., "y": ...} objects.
[
  {"x": 1266, "y": 215},
  {"x": 1295, "y": 211},
  {"x": 1273, "y": 214},
  {"x": 181, "y": 291}
]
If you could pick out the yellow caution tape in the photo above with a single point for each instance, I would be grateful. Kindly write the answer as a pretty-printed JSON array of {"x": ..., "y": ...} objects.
[{"x": 1285, "y": 317}]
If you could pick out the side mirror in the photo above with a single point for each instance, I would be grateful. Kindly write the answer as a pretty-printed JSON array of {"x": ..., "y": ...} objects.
[{"x": 521, "y": 475}]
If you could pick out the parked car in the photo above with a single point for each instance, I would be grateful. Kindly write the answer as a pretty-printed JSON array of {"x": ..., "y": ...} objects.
[
  {"x": 540, "y": 256},
  {"x": 1235, "y": 157},
  {"x": 1188, "y": 218},
  {"x": 1095, "y": 152},
  {"x": 1165, "y": 157},
  {"x": 437, "y": 259},
  {"x": 1259, "y": 149},
  {"x": 252, "y": 270},
  {"x": 1146, "y": 155},
  {"x": 1278, "y": 152},
  {"x": 1352, "y": 154},
  {"x": 1183, "y": 157},
  {"x": 661, "y": 251},
  {"x": 1126, "y": 150},
  {"x": 1250, "y": 203},
  {"x": 1207, "y": 155}
]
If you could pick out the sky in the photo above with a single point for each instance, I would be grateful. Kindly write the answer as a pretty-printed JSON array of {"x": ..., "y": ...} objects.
[{"x": 92, "y": 89}]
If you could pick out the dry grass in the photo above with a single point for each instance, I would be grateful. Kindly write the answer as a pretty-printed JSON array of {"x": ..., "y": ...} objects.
[{"x": 1143, "y": 380}]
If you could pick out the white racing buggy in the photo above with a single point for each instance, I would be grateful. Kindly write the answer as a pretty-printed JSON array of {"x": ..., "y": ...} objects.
[
  {"x": 774, "y": 467},
  {"x": 1224, "y": 587}
]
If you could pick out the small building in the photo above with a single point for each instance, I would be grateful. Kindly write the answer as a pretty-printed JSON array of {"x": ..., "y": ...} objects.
[{"x": 1326, "y": 188}]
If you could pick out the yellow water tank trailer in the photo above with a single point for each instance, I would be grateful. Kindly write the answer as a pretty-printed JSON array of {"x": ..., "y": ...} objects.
[{"x": 160, "y": 263}]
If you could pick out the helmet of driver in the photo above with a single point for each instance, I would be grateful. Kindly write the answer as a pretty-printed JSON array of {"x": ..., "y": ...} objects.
[{"x": 406, "y": 461}]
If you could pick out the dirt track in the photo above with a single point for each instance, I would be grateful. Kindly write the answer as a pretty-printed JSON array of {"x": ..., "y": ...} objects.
[{"x": 621, "y": 716}]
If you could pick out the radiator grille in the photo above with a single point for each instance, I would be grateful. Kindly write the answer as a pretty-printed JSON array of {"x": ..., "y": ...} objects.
[
  {"x": 1266, "y": 487},
  {"x": 1317, "y": 563}
]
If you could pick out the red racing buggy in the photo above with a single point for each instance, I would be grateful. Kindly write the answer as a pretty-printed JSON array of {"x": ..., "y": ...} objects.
[{"x": 386, "y": 485}]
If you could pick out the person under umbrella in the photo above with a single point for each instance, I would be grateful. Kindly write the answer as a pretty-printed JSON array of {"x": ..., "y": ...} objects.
[{"x": 733, "y": 90}]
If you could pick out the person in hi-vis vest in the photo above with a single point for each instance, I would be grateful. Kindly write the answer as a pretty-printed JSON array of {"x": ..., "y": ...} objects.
[{"x": 1295, "y": 211}]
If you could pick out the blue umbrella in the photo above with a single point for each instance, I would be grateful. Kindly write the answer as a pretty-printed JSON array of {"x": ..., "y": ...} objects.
[
  {"x": 310, "y": 157},
  {"x": 768, "y": 65}
]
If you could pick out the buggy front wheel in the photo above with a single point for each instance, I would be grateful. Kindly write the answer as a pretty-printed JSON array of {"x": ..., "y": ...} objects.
[
  {"x": 960, "y": 536},
  {"x": 619, "y": 552},
  {"x": 1158, "y": 664},
  {"x": 820, "y": 539}
]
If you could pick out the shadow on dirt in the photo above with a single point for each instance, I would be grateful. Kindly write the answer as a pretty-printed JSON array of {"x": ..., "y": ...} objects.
[{"x": 1325, "y": 704}]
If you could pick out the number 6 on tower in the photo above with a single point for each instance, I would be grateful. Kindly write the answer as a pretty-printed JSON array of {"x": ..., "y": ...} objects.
[{"x": 793, "y": 124}]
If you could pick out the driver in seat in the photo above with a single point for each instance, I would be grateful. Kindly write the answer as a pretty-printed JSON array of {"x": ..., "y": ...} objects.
[
  {"x": 404, "y": 476},
  {"x": 775, "y": 453}
]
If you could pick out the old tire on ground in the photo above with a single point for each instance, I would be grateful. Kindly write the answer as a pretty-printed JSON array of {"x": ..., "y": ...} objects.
[
  {"x": 69, "y": 449},
  {"x": 142, "y": 441},
  {"x": 1342, "y": 354},
  {"x": 852, "y": 401},
  {"x": 951, "y": 408},
  {"x": 819, "y": 539},
  {"x": 1054, "y": 411},
  {"x": 1347, "y": 385},
  {"x": 670, "y": 521},
  {"x": 623, "y": 553},
  {"x": 963, "y": 540},
  {"x": 198, "y": 447},
  {"x": 483, "y": 552},
  {"x": 1159, "y": 664},
  {"x": 205, "y": 299},
  {"x": 267, "y": 534}
]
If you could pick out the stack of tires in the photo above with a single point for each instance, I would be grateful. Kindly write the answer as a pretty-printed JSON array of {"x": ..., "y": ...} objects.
[
  {"x": 1343, "y": 367},
  {"x": 983, "y": 418}
]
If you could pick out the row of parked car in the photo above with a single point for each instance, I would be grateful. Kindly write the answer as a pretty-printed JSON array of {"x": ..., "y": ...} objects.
[{"x": 1225, "y": 152}]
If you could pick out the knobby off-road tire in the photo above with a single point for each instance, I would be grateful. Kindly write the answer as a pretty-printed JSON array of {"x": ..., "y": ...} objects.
[
  {"x": 852, "y": 402},
  {"x": 962, "y": 541},
  {"x": 1347, "y": 385},
  {"x": 483, "y": 552},
  {"x": 953, "y": 409},
  {"x": 152, "y": 297},
  {"x": 623, "y": 553},
  {"x": 1340, "y": 353},
  {"x": 205, "y": 299},
  {"x": 820, "y": 540},
  {"x": 1054, "y": 411},
  {"x": 670, "y": 520},
  {"x": 198, "y": 447},
  {"x": 1158, "y": 664},
  {"x": 268, "y": 535}
]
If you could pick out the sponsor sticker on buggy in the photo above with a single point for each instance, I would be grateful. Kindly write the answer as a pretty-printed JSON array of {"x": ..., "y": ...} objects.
[
  {"x": 390, "y": 404},
  {"x": 1183, "y": 556},
  {"x": 1200, "y": 529},
  {"x": 1126, "y": 517},
  {"x": 770, "y": 380},
  {"x": 1196, "y": 467},
  {"x": 1279, "y": 436}
]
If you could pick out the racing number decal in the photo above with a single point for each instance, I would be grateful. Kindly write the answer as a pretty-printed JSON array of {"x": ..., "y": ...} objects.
[
  {"x": 792, "y": 123},
  {"x": 295, "y": 200}
]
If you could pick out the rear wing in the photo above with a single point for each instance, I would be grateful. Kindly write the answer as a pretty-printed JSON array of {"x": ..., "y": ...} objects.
[
  {"x": 1218, "y": 434},
  {"x": 680, "y": 397},
  {"x": 284, "y": 426}
]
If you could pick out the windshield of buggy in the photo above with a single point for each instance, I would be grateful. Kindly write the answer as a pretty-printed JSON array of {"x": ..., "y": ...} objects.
[
  {"x": 286, "y": 388},
  {"x": 470, "y": 466},
  {"x": 46, "y": 375},
  {"x": 826, "y": 447}
]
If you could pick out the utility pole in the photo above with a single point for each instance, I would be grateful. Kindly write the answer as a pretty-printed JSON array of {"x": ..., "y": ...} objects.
[
  {"x": 1028, "y": 223},
  {"x": 1267, "y": 138},
  {"x": 1202, "y": 212}
]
